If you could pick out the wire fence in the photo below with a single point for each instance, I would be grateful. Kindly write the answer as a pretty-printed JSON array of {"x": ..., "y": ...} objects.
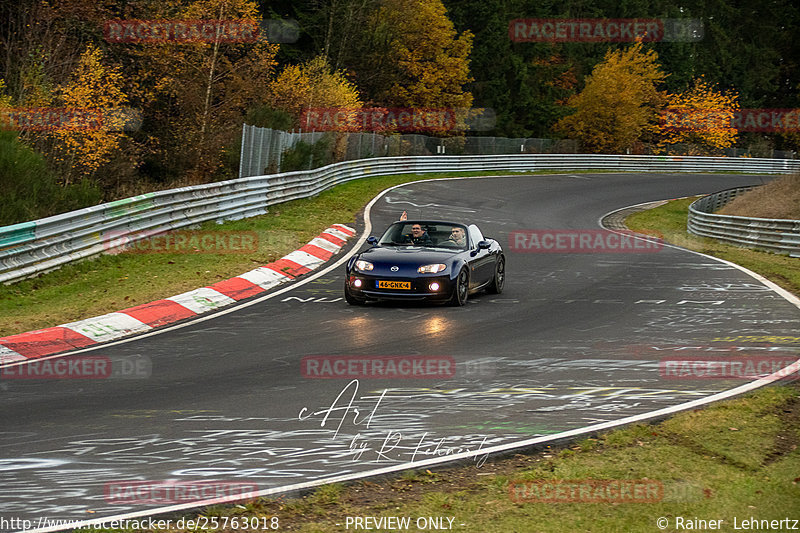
[{"x": 268, "y": 151}]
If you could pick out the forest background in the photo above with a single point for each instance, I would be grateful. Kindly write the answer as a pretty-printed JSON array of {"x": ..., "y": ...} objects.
[{"x": 185, "y": 102}]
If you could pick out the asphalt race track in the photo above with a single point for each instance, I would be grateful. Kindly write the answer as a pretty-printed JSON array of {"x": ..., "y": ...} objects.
[{"x": 574, "y": 340}]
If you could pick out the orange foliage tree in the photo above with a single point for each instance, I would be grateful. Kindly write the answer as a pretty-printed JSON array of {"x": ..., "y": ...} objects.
[
  {"x": 311, "y": 84},
  {"x": 409, "y": 54},
  {"x": 95, "y": 85},
  {"x": 700, "y": 116},
  {"x": 619, "y": 103}
]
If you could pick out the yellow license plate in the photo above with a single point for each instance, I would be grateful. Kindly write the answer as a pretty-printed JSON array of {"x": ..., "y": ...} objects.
[{"x": 385, "y": 284}]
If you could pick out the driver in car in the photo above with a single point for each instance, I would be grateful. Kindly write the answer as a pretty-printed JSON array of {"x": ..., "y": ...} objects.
[{"x": 418, "y": 236}]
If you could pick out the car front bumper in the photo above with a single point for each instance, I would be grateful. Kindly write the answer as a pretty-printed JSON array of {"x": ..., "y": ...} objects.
[{"x": 420, "y": 288}]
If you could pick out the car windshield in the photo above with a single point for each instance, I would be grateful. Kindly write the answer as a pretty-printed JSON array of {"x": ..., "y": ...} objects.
[{"x": 426, "y": 234}]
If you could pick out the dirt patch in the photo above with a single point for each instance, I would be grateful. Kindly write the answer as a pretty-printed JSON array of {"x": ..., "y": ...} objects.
[{"x": 789, "y": 437}]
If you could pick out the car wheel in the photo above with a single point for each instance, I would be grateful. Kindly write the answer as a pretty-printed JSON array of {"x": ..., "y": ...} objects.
[
  {"x": 461, "y": 290},
  {"x": 496, "y": 286},
  {"x": 349, "y": 298}
]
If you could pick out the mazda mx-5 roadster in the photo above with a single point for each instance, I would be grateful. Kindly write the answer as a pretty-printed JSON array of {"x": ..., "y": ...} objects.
[{"x": 426, "y": 260}]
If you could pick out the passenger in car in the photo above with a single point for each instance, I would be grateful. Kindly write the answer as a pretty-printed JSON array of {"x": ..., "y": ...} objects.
[{"x": 457, "y": 236}]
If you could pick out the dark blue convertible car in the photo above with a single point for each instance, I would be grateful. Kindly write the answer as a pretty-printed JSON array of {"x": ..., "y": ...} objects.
[{"x": 426, "y": 260}]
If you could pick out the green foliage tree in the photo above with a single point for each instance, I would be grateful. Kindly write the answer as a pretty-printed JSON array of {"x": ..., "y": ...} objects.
[
  {"x": 408, "y": 54},
  {"x": 197, "y": 93},
  {"x": 29, "y": 189}
]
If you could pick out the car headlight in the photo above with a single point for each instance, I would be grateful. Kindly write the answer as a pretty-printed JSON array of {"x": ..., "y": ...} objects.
[
  {"x": 364, "y": 266},
  {"x": 431, "y": 269}
]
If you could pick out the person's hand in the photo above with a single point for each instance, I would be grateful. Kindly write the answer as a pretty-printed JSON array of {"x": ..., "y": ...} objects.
[{"x": 404, "y": 216}]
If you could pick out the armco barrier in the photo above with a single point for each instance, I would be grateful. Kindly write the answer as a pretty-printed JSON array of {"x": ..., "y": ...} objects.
[
  {"x": 30, "y": 248},
  {"x": 775, "y": 235}
]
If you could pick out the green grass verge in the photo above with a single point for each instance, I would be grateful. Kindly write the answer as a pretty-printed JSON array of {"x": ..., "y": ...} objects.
[
  {"x": 670, "y": 220},
  {"x": 735, "y": 459}
]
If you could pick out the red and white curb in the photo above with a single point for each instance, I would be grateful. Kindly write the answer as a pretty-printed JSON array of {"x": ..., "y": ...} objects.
[{"x": 112, "y": 326}]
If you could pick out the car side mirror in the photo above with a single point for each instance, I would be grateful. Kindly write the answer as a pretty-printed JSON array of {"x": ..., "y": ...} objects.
[
  {"x": 484, "y": 245},
  {"x": 372, "y": 240}
]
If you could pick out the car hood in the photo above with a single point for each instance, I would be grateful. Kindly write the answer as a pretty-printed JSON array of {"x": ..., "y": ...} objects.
[
  {"x": 407, "y": 254},
  {"x": 409, "y": 257}
]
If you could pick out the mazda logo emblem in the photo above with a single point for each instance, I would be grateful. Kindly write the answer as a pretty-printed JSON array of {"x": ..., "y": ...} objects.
[{"x": 395, "y": 268}]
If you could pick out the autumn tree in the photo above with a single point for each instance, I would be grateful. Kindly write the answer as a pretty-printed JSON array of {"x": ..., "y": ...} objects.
[
  {"x": 408, "y": 54},
  {"x": 82, "y": 148},
  {"x": 702, "y": 117},
  {"x": 197, "y": 92},
  {"x": 619, "y": 103},
  {"x": 5, "y": 99},
  {"x": 311, "y": 84}
]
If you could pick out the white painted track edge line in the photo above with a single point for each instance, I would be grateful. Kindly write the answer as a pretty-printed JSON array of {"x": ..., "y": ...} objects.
[
  {"x": 747, "y": 387},
  {"x": 791, "y": 298}
]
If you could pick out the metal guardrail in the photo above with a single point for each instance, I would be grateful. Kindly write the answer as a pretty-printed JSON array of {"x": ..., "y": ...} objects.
[
  {"x": 772, "y": 234},
  {"x": 34, "y": 247}
]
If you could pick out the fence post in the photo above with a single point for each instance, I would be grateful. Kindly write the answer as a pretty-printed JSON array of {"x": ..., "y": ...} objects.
[
  {"x": 241, "y": 151},
  {"x": 280, "y": 149},
  {"x": 250, "y": 155},
  {"x": 260, "y": 148}
]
